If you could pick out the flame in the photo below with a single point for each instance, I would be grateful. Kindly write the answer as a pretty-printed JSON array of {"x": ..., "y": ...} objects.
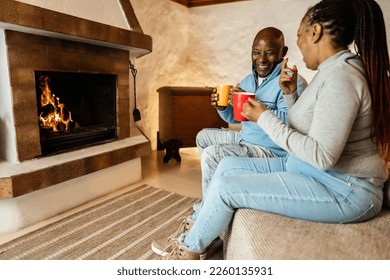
[{"x": 55, "y": 115}]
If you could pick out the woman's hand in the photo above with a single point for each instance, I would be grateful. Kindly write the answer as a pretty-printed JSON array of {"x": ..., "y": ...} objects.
[
  {"x": 252, "y": 109},
  {"x": 288, "y": 78}
]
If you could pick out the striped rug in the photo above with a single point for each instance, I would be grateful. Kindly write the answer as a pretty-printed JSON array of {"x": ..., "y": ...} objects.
[{"x": 121, "y": 228}]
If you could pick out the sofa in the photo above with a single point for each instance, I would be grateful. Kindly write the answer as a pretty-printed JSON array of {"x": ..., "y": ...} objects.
[{"x": 254, "y": 234}]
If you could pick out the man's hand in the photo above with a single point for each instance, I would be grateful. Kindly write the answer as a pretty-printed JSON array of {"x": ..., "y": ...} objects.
[{"x": 214, "y": 97}]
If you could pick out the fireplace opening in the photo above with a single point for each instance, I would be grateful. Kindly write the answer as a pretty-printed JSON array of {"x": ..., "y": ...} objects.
[{"x": 75, "y": 110}]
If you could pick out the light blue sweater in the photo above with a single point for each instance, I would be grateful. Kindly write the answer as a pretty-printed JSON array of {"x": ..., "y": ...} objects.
[{"x": 270, "y": 94}]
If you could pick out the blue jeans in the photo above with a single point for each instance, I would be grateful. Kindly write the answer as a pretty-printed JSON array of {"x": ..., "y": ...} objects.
[
  {"x": 285, "y": 186},
  {"x": 214, "y": 144}
]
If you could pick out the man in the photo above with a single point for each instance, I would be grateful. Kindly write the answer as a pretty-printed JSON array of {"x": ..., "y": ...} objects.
[{"x": 268, "y": 51}]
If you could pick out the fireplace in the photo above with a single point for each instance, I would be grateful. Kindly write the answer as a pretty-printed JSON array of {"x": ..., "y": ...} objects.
[
  {"x": 85, "y": 64},
  {"x": 102, "y": 77},
  {"x": 75, "y": 110},
  {"x": 39, "y": 179}
]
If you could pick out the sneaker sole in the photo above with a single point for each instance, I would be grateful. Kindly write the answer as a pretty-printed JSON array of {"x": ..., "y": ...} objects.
[{"x": 159, "y": 252}]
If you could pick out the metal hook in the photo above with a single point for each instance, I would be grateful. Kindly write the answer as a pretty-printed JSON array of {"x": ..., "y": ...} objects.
[{"x": 132, "y": 69}]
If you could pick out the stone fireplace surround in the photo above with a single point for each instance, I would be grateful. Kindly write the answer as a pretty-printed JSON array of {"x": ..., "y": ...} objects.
[{"x": 33, "y": 38}]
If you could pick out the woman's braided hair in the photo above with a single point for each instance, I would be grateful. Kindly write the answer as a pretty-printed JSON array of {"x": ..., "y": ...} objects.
[{"x": 361, "y": 22}]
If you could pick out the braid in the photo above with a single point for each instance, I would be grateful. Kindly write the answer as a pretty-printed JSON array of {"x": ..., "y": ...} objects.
[
  {"x": 362, "y": 22},
  {"x": 371, "y": 45}
]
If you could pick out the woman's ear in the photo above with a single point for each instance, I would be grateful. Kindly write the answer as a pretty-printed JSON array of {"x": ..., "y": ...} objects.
[{"x": 316, "y": 32}]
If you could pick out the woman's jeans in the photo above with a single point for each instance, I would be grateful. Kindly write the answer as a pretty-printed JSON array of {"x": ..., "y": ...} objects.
[
  {"x": 285, "y": 186},
  {"x": 214, "y": 144}
]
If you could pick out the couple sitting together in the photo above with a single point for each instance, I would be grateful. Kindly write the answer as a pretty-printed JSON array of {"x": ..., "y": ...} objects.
[{"x": 324, "y": 160}]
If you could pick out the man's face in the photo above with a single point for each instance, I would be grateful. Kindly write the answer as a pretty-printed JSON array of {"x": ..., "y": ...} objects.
[{"x": 266, "y": 54}]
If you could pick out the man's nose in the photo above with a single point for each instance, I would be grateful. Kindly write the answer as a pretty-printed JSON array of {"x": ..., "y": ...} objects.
[{"x": 262, "y": 57}]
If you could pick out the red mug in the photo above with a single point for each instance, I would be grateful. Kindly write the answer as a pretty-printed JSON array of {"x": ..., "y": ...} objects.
[{"x": 239, "y": 99}]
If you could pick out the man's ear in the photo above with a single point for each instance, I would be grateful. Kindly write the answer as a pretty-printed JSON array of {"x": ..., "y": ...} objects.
[
  {"x": 284, "y": 51},
  {"x": 316, "y": 32}
]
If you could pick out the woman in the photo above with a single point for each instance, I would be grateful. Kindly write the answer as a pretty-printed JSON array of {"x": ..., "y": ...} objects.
[{"x": 337, "y": 132}]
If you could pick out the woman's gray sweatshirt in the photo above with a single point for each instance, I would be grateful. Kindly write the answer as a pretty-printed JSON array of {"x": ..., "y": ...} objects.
[{"x": 330, "y": 123}]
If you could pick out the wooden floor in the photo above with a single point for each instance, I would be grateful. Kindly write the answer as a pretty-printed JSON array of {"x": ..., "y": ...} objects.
[{"x": 183, "y": 178}]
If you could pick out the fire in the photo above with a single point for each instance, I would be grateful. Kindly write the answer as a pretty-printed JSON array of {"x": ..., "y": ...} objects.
[{"x": 54, "y": 116}]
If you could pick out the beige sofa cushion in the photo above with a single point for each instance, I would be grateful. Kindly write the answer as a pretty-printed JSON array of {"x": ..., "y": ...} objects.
[{"x": 259, "y": 235}]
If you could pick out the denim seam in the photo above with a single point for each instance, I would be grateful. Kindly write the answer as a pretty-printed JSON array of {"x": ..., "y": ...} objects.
[{"x": 280, "y": 197}]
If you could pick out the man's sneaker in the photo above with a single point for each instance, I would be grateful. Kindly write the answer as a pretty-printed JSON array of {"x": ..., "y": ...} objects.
[{"x": 163, "y": 246}]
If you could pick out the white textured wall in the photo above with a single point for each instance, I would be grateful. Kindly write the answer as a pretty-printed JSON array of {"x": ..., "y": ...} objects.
[{"x": 168, "y": 65}]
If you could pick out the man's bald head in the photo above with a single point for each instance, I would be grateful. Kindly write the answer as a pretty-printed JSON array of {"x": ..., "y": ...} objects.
[
  {"x": 268, "y": 50},
  {"x": 270, "y": 34}
]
